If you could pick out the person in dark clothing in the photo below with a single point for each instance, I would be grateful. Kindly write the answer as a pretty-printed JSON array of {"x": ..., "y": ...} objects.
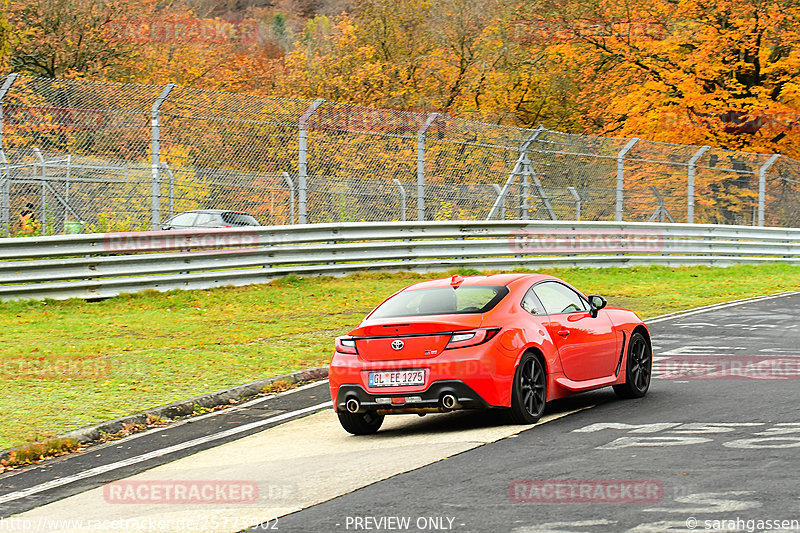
[{"x": 27, "y": 219}]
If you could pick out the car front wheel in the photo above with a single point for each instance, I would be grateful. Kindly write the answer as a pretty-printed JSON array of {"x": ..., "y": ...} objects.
[{"x": 637, "y": 369}]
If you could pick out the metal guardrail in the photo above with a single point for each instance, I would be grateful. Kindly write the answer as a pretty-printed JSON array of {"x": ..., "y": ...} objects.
[{"x": 107, "y": 264}]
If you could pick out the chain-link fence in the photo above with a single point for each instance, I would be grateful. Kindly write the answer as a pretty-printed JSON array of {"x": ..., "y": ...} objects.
[{"x": 87, "y": 156}]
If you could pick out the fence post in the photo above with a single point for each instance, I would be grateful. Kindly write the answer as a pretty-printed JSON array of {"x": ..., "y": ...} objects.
[
  {"x": 5, "y": 184},
  {"x": 524, "y": 208},
  {"x": 10, "y": 79},
  {"x": 762, "y": 186},
  {"x": 522, "y": 162},
  {"x": 621, "y": 175},
  {"x": 67, "y": 190},
  {"x": 402, "y": 198},
  {"x": 290, "y": 184},
  {"x": 421, "y": 165},
  {"x": 661, "y": 212},
  {"x": 302, "y": 161},
  {"x": 155, "y": 126},
  {"x": 43, "y": 193},
  {"x": 5, "y": 197},
  {"x": 574, "y": 192},
  {"x": 499, "y": 190},
  {"x": 690, "y": 183},
  {"x": 171, "y": 176}
]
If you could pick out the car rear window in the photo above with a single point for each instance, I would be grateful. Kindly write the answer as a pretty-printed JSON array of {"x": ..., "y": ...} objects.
[
  {"x": 239, "y": 219},
  {"x": 441, "y": 301}
]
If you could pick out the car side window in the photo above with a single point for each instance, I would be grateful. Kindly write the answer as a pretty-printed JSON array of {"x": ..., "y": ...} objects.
[
  {"x": 532, "y": 304},
  {"x": 558, "y": 298},
  {"x": 184, "y": 219},
  {"x": 204, "y": 219}
]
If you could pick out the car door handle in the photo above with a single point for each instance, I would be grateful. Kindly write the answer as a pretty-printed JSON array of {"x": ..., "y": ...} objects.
[{"x": 563, "y": 333}]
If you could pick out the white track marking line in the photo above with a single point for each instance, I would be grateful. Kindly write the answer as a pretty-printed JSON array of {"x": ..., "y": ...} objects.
[
  {"x": 714, "y": 307},
  {"x": 255, "y": 401},
  {"x": 248, "y": 403},
  {"x": 157, "y": 453},
  {"x": 311, "y": 458},
  {"x": 100, "y": 446}
]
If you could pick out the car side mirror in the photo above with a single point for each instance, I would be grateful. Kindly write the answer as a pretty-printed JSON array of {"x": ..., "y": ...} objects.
[{"x": 595, "y": 304}]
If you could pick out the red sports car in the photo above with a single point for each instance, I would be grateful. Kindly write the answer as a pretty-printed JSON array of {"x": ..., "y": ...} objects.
[{"x": 508, "y": 341}]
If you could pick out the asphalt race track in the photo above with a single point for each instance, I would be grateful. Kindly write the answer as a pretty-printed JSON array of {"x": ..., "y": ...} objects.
[
  {"x": 721, "y": 449},
  {"x": 714, "y": 446}
]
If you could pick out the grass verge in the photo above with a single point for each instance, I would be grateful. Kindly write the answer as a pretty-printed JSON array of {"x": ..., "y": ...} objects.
[{"x": 68, "y": 364}]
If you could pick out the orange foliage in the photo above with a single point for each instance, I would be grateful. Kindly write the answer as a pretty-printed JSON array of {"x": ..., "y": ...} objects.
[
  {"x": 717, "y": 72},
  {"x": 721, "y": 73}
]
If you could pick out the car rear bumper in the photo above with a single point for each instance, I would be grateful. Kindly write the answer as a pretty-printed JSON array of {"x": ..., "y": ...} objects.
[
  {"x": 429, "y": 400},
  {"x": 486, "y": 374}
]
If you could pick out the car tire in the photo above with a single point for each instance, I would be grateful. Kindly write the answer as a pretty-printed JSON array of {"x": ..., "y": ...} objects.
[
  {"x": 638, "y": 368},
  {"x": 529, "y": 391},
  {"x": 360, "y": 423}
]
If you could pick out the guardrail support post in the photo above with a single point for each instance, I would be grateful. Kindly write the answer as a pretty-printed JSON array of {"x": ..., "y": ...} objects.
[
  {"x": 302, "y": 161},
  {"x": 402, "y": 198},
  {"x": 690, "y": 183},
  {"x": 421, "y": 165},
  {"x": 762, "y": 186},
  {"x": 621, "y": 176},
  {"x": 290, "y": 184},
  {"x": 155, "y": 125}
]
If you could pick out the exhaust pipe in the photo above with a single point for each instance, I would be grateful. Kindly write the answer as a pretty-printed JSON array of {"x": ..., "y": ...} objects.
[
  {"x": 449, "y": 401},
  {"x": 352, "y": 405}
]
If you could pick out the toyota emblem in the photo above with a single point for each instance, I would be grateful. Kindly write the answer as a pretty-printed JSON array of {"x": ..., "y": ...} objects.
[{"x": 398, "y": 345}]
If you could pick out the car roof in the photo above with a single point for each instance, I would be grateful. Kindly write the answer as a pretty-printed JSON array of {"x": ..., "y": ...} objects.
[
  {"x": 494, "y": 280},
  {"x": 213, "y": 211}
]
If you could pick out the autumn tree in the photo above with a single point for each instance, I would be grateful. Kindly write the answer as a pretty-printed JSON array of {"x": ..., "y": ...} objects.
[
  {"x": 5, "y": 34},
  {"x": 64, "y": 38},
  {"x": 457, "y": 56},
  {"x": 720, "y": 72}
]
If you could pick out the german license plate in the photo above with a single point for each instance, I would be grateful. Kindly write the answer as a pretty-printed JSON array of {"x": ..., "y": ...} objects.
[{"x": 402, "y": 378}]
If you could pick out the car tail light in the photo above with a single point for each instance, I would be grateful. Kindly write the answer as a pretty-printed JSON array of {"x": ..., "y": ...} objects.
[
  {"x": 346, "y": 345},
  {"x": 462, "y": 339}
]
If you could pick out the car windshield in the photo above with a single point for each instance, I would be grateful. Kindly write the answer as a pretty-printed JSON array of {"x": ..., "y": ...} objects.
[
  {"x": 239, "y": 219},
  {"x": 441, "y": 301}
]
